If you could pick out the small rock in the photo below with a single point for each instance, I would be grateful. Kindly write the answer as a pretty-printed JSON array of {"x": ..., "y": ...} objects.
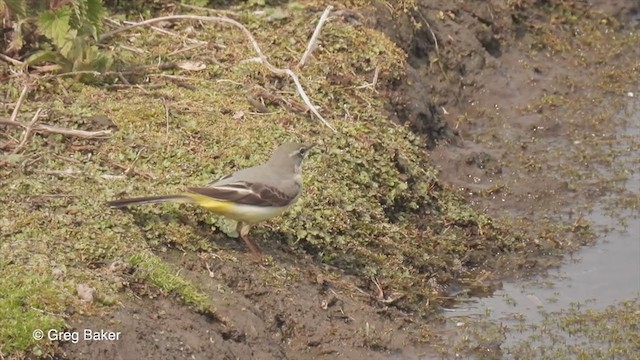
[
  {"x": 118, "y": 266},
  {"x": 86, "y": 292},
  {"x": 102, "y": 121}
]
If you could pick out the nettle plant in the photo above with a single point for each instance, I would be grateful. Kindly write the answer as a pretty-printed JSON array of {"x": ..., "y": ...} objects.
[{"x": 63, "y": 32}]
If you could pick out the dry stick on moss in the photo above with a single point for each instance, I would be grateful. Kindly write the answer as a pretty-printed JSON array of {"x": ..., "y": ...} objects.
[
  {"x": 27, "y": 131},
  {"x": 314, "y": 37},
  {"x": 373, "y": 83},
  {"x": 261, "y": 57},
  {"x": 175, "y": 77},
  {"x": 138, "y": 70},
  {"x": 166, "y": 113},
  {"x": 16, "y": 108},
  {"x": 171, "y": 33},
  {"x": 59, "y": 130},
  {"x": 187, "y": 48}
]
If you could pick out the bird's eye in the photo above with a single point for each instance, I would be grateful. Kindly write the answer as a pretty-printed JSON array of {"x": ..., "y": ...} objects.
[{"x": 302, "y": 151}]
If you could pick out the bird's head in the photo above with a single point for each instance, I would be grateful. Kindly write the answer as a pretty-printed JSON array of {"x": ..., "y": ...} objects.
[{"x": 290, "y": 154}]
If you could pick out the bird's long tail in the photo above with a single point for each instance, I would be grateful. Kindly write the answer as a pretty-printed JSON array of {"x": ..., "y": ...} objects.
[{"x": 148, "y": 200}]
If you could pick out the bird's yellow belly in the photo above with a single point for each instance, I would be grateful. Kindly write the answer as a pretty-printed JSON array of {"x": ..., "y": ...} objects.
[{"x": 245, "y": 213}]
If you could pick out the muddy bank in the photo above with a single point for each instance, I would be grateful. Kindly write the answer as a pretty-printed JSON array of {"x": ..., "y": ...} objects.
[
  {"x": 499, "y": 83},
  {"x": 293, "y": 309}
]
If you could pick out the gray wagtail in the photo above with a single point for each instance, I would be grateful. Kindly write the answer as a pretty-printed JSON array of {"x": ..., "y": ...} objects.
[{"x": 247, "y": 196}]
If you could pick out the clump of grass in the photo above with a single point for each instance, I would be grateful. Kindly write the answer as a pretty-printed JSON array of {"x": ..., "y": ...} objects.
[{"x": 152, "y": 269}]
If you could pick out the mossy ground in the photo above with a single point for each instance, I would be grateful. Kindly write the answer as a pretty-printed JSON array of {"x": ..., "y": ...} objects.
[{"x": 372, "y": 204}]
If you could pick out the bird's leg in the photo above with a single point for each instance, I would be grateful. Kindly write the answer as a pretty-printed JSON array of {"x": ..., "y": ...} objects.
[{"x": 243, "y": 230}]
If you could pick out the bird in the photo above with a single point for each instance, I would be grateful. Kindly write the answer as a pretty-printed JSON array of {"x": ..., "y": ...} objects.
[{"x": 248, "y": 196}]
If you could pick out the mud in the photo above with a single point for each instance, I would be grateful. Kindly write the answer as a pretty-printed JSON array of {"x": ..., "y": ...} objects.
[
  {"x": 297, "y": 308},
  {"x": 471, "y": 81}
]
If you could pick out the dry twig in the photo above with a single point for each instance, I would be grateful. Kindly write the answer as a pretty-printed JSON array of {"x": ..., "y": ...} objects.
[
  {"x": 171, "y": 33},
  {"x": 374, "y": 82},
  {"x": 133, "y": 49},
  {"x": 435, "y": 43},
  {"x": 188, "y": 48},
  {"x": 59, "y": 130},
  {"x": 175, "y": 77},
  {"x": 260, "y": 59},
  {"x": 27, "y": 131},
  {"x": 314, "y": 37},
  {"x": 11, "y": 60},
  {"x": 166, "y": 113},
  {"x": 16, "y": 108}
]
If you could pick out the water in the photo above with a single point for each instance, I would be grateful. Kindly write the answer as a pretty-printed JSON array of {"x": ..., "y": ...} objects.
[{"x": 596, "y": 277}]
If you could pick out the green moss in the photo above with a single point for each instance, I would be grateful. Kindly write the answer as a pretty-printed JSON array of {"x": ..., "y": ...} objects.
[
  {"x": 28, "y": 302},
  {"x": 152, "y": 269}
]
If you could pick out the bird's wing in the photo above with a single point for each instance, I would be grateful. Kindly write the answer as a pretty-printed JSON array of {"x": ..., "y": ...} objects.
[{"x": 246, "y": 193}]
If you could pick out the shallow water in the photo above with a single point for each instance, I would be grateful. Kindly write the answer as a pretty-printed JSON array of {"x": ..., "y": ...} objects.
[{"x": 595, "y": 277}]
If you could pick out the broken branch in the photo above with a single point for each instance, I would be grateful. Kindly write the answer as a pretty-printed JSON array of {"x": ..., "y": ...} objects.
[
  {"x": 16, "y": 108},
  {"x": 27, "y": 132},
  {"x": 314, "y": 37},
  {"x": 58, "y": 130},
  {"x": 11, "y": 60}
]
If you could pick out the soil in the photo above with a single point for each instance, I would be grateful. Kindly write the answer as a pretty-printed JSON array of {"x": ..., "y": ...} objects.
[
  {"x": 480, "y": 112},
  {"x": 321, "y": 312}
]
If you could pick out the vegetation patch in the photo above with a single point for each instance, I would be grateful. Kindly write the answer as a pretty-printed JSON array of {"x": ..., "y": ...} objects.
[{"x": 573, "y": 333}]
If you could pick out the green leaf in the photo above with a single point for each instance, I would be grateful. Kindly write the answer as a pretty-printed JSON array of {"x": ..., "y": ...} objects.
[
  {"x": 69, "y": 45},
  {"x": 77, "y": 11},
  {"x": 42, "y": 56},
  {"x": 101, "y": 63},
  {"x": 50, "y": 56},
  {"x": 86, "y": 17},
  {"x": 17, "y": 7},
  {"x": 95, "y": 13},
  {"x": 55, "y": 25}
]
